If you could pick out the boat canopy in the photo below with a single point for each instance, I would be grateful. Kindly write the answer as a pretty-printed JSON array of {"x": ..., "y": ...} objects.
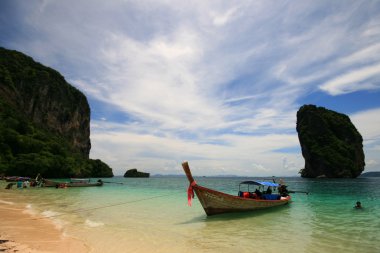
[{"x": 260, "y": 183}]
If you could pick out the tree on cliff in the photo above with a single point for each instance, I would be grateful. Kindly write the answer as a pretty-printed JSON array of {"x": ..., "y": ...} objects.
[{"x": 330, "y": 143}]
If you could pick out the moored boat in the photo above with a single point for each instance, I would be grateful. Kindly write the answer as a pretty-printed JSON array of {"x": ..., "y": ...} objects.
[
  {"x": 72, "y": 183},
  {"x": 16, "y": 179},
  {"x": 216, "y": 202}
]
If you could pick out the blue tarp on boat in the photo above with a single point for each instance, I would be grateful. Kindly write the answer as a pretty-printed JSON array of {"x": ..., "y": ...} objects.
[{"x": 260, "y": 183}]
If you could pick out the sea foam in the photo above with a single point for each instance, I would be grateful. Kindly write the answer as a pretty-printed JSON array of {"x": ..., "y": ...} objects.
[
  {"x": 6, "y": 202},
  {"x": 29, "y": 210},
  {"x": 59, "y": 224},
  {"x": 93, "y": 224},
  {"x": 49, "y": 213}
]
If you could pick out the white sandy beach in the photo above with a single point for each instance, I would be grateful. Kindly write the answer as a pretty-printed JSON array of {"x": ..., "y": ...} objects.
[{"x": 24, "y": 232}]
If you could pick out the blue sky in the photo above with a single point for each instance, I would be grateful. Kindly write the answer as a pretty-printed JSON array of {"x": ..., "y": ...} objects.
[{"x": 217, "y": 83}]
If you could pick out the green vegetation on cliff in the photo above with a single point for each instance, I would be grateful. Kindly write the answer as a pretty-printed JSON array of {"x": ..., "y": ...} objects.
[
  {"x": 330, "y": 143},
  {"x": 44, "y": 122},
  {"x": 44, "y": 97}
]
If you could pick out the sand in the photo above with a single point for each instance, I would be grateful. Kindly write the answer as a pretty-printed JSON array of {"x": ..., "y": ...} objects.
[{"x": 21, "y": 231}]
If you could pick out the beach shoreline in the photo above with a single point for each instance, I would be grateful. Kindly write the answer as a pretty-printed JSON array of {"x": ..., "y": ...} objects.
[{"x": 22, "y": 231}]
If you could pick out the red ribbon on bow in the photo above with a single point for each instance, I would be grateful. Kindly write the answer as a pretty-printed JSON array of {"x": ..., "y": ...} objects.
[{"x": 190, "y": 192}]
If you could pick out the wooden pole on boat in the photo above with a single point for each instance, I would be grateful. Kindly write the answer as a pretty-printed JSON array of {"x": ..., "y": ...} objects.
[{"x": 186, "y": 168}]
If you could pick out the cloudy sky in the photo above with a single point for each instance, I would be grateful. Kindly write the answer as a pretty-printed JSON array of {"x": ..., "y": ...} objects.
[{"x": 217, "y": 83}]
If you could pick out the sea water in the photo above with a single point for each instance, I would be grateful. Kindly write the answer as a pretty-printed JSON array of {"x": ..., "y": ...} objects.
[{"x": 152, "y": 215}]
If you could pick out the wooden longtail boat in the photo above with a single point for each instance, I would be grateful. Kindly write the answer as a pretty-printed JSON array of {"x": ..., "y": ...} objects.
[
  {"x": 16, "y": 179},
  {"x": 71, "y": 183},
  {"x": 215, "y": 202}
]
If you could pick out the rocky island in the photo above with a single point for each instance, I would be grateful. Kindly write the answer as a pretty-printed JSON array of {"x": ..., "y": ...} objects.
[
  {"x": 44, "y": 122},
  {"x": 331, "y": 145},
  {"x": 135, "y": 173}
]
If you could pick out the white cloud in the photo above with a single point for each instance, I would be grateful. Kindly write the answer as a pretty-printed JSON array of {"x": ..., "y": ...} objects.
[
  {"x": 290, "y": 165},
  {"x": 367, "y": 123},
  {"x": 372, "y": 163},
  {"x": 127, "y": 146},
  {"x": 359, "y": 79},
  {"x": 259, "y": 167},
  {"x": 220, "y": 19},
  {"x": 364, "y": 55}
]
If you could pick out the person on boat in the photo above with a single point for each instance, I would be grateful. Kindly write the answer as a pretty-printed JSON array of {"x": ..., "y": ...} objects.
[
  {"x": 258, "y": 194},
  {"x": 63, "y": 185},
  {"x": 269, "y": 190},
  {"x": 26, "y": 184},
  {"x": 358, "y": 205},
  {"x": 283, "y": 191}
]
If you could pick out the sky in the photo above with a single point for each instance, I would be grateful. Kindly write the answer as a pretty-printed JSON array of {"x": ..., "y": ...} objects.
[{"x": 215, "y": 83}]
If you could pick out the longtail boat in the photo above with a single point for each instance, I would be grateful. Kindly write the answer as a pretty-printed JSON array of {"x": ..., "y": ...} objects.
[
  {"x": 215, "y": 202},
  {"x": 16, "y": 179},
  {"x": 72, "y": 183}
]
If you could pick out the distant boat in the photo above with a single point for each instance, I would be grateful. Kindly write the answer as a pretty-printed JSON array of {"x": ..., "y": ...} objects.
[
  {"x": 215, "y": 202},
  {"x": 16, "y": 179},
  {"x": 74, "y": 182}
]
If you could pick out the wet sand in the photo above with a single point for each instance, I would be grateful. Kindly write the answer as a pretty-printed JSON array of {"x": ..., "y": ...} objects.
[{"x": 23, "y": 232}]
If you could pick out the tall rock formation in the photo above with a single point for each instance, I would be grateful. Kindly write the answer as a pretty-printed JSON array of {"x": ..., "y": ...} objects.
[
  {"x": 330, "y": 143},
  {"x": 44, "y": 96},
  {"x": 44, "y": 122}
]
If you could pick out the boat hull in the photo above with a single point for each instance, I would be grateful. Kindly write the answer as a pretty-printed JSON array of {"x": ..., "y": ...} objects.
[
  {"x": 215, "y": 202},
  {"x": 50, "y": 183},
  {"x": 17, "y": 179}
]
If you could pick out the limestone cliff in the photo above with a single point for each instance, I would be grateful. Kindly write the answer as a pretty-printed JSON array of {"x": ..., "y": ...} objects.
[
  {"x": 330, "y": 143},
  {"x": 44, "y": 96},
  {"x": 44, "y": 122}
]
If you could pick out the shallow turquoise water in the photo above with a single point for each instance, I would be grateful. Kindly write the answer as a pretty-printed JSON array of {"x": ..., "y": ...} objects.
[{"x": 151, "y": 215}]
